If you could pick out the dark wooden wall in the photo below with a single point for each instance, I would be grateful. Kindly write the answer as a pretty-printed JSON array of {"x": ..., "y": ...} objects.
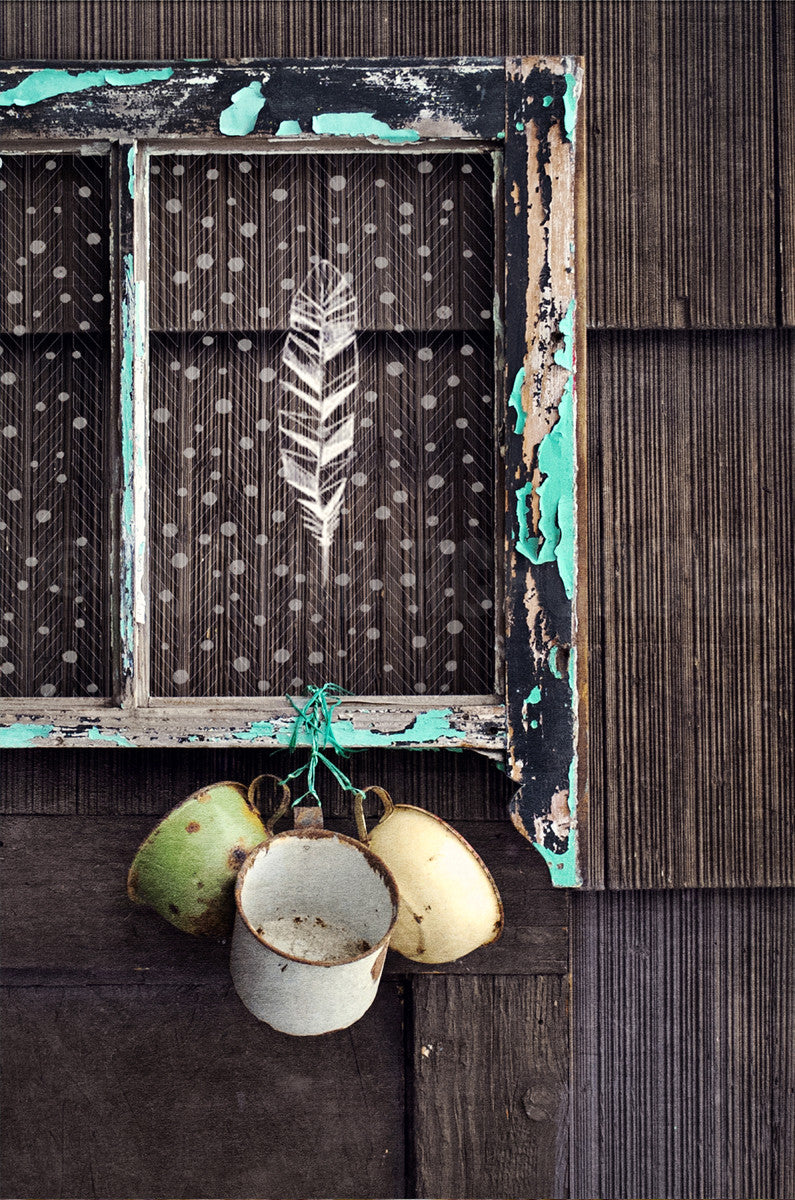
[{"x": 683, "y": 1066}]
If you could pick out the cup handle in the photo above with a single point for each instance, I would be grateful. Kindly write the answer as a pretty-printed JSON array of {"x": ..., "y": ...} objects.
[
  {"x": 358, "y": 810},
  {"x": 254, "y": 800}
]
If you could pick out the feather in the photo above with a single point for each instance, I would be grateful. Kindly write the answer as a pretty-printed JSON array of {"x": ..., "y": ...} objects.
[{"x": 319, "y": 376}]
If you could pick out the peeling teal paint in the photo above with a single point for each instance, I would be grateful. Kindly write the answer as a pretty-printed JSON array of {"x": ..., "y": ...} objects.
[
  {"x": 95, "y": 734},
  {"x": 289, "y": 129},
  {"x": 525, "y": 542},
  {"x": 534, "y": 697},
  {"x": 547, "y": 101},
  {"x": 557, "y": 465},
  {"x": 515, "y": 401},
  {"x": 131, "y": 172},
  {"x": 49, "y": 82},
  {"x": 19, "y": 735},
  {"x": 553, "y": 662},
  {"x": 570, "y": 107},
  {"x": 534, "y": 724},
  {"x": 135, "y": 78},
  {"x": 565, "y": 356},
  {"x": 501, "y": 133},
  {"x": 258, "y": 729},
  {"x": 241, "y": 115},
  {"x": 519, "y": 126},
  {"x": 562, "y": 867},
  {"x": 427, "y": 727},
  {"x": 360, "y": 124}
]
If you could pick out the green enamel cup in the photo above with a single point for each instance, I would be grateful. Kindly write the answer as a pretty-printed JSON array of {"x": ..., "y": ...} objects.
[{"x": 186, "y": 868}]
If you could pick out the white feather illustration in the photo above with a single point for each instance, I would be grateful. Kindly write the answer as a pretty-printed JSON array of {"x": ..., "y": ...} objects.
[{"x": 320, "y": 373}]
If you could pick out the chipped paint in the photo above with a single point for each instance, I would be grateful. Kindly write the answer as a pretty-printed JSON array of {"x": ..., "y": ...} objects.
[
  {"x": 515, "y": 402},
  {"x": 425, "y": 728},
  {"x": 95, "y": 734},
  {"x": 563, "y": 867},
  {"x": 547, "y": 101},
  {"x": 525, "y": 543},
  {"x": 553, "y": 662},
  {"x": 570, "y": 106},
  {"x": 289, "y": 129},
  {"x": 557, "y": 465},
  {"x": 534, "y": 697},
  {"x": 20, "y": 735},
  {"x": 256, "y": 730},
  {"x": 131, "y": 172},
  {"x": 49, "y": 82},
  {"x": 360, "y": 124},
  {"x": 241, "y": 115}
]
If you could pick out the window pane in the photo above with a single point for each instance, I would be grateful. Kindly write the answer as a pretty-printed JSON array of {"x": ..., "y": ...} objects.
[
  {"x": 54, "y": 384},
  {"x": 322, "y": 475}
]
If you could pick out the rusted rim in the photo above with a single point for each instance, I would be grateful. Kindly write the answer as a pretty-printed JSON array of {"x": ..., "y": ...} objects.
[
  {"x": 378, "y": 865},
  {"x": 242, "y": 791},
  {"x": 412, "y": 808}
]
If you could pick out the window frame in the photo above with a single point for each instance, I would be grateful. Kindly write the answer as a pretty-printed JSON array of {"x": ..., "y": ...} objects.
[{"x": 525, "y": 111}]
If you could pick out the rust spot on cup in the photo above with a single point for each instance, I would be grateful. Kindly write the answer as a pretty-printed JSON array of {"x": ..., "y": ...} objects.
[
  {"x": 236, "y": 857},
  {"x": 377, "y": 967},
  {"x": 192, "y": 827}
]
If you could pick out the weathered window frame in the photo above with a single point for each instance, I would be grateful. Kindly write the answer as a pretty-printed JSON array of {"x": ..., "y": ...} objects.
[{"x": 523, "y": 108}]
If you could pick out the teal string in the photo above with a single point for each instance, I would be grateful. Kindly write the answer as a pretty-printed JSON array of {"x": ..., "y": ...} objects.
[{"x": 315, "y": 719}]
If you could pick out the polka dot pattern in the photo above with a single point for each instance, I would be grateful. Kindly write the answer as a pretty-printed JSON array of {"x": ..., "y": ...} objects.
[{"x": 239, "y": 602}]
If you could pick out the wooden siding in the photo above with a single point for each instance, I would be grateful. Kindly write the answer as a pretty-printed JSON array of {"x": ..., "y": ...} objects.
[
  {"x": 490, "y": 1098},
  {"x": 180, "y": 1092},
  {"x": 692, "y": 596},
  {"x": 681, "y": 133},
  {"x": 684, "y": 1070}
]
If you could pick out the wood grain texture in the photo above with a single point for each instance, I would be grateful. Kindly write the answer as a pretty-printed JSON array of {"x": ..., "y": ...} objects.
[
  {"x": 692, "y": 595},
  {"x": 684, "y": 1055},
  {"x": 490, "y": 1086},
  {"x": 456, "y": 786},
  {"x": 93, "y": 934},
  {"x": 680, "y": 132},
  {"x": 785, "y": 159},
  {"x": 178, "y": 1091}
]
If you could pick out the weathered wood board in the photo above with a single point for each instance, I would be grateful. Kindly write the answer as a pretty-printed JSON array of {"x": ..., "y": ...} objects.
[
  {"x": 178, "y": 1091},
  {"x": 491, "y": 1095},
  {"x": 94, "y": 935},
  {"x": 692, "y": 608},
  {"x": 683, "y": 1076}
]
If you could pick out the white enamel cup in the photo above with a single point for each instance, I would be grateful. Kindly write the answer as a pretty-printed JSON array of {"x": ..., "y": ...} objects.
[{"x": 315, "y": 911}]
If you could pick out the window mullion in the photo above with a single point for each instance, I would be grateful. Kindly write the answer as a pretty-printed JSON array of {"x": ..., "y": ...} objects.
[{"x": 133, "y": 236}]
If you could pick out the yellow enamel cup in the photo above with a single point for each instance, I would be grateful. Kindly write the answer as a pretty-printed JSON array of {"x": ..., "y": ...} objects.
[{"x": 449, "y": 903}]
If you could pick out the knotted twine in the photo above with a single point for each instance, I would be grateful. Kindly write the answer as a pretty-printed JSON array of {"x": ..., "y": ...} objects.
[{"x": 315, "y": 721}]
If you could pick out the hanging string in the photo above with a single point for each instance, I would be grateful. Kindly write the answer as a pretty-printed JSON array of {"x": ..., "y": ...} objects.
[{"x": 315, "y": 721}]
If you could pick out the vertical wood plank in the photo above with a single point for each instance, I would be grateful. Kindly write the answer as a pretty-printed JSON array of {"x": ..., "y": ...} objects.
[
  {"x": 178, "y": 1091},
  {"x": 785, "y": 159},
  {"x": 683, "y": 1062},
  {"x": 490, "y": 1085},
  {"x": 692, "y": 597}
]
